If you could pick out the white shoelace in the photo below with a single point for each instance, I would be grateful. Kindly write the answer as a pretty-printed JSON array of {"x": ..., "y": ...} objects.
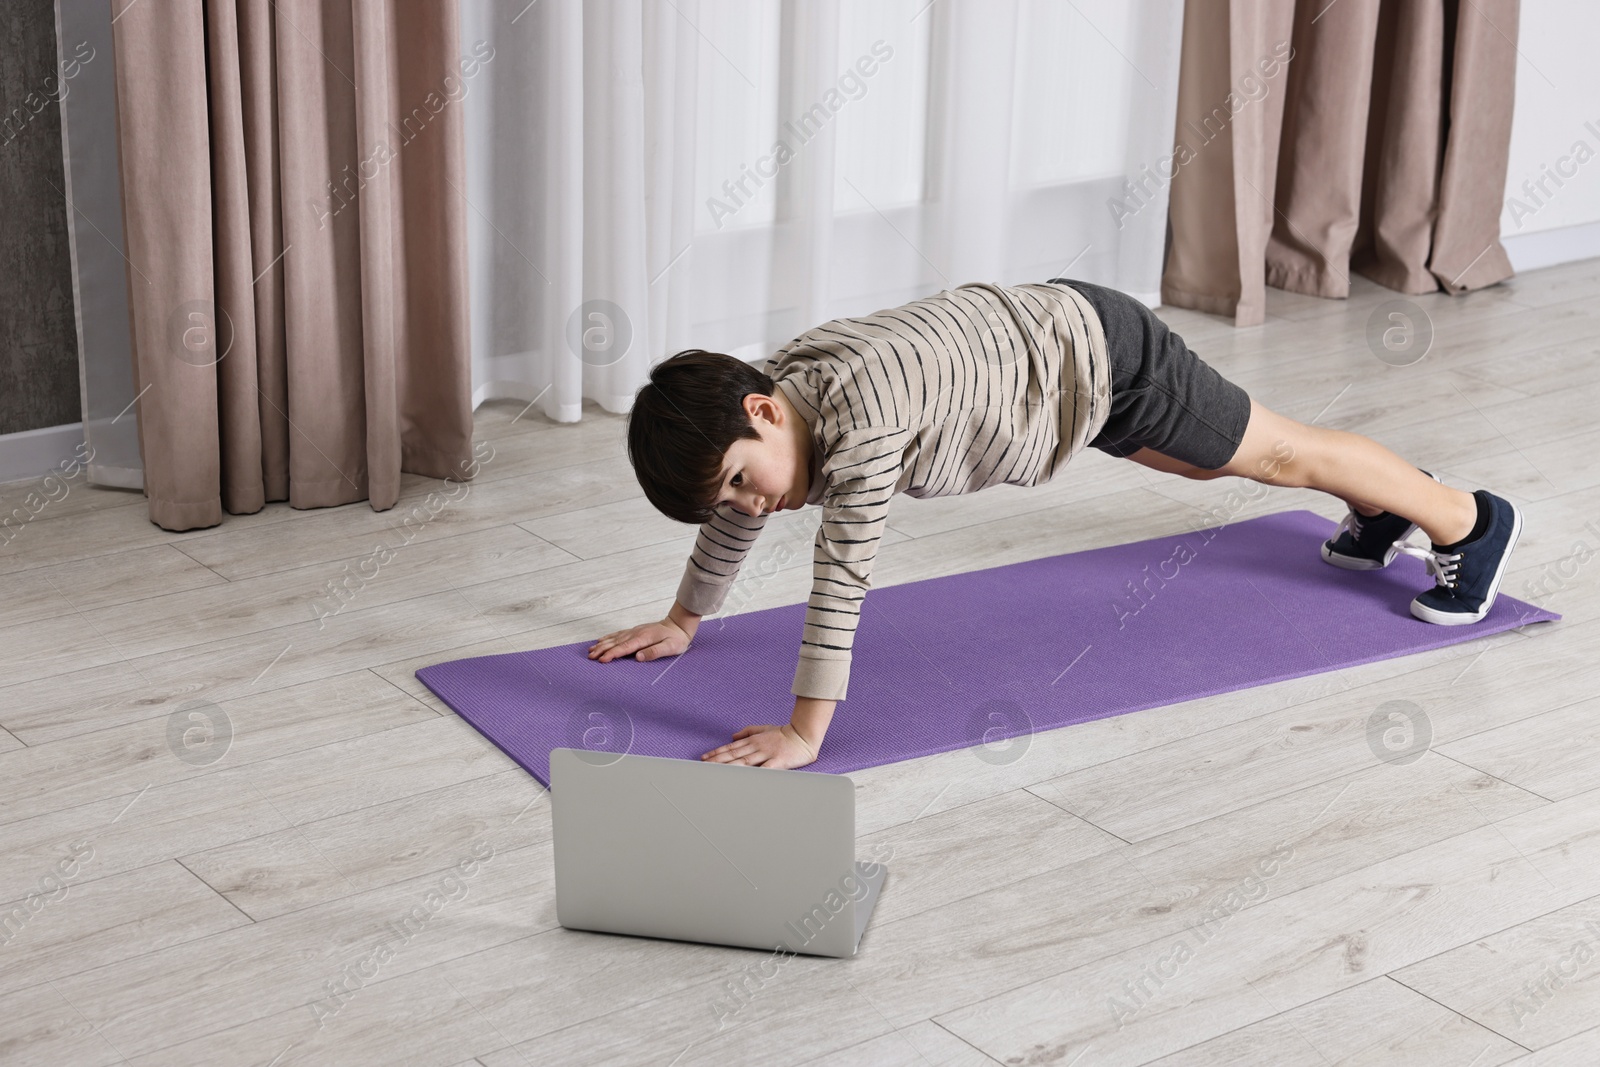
[
  {"x": 1351, "y": 522},
  {"x": 1442, "y": 565}
]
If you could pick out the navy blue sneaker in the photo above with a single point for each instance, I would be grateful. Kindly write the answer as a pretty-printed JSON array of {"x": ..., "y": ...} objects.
[
  {"x": 1368, "y": 542},
  {"x": 1467, "y": 576}
]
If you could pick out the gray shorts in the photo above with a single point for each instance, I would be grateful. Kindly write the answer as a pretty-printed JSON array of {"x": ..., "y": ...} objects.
[{"x": 1163, "y": 396}]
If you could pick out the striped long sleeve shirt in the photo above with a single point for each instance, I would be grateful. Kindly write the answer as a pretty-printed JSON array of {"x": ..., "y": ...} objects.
[{"x": 971, "y": 387}]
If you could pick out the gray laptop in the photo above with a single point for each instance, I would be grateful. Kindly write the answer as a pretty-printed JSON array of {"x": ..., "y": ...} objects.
[{"x": 712, "y": 852}]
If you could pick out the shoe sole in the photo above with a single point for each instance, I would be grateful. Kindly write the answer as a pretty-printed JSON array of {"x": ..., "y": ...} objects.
[{"x": 1462, "y": 618}]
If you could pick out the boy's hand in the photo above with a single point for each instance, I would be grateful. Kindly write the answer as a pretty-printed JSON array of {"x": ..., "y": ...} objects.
[
  {"x": 765, "y": 746},
  {"x": 651, "y": 640}
]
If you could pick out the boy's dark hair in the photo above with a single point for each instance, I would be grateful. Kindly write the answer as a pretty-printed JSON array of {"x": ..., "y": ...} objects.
[{"x": 683, "y": 421}]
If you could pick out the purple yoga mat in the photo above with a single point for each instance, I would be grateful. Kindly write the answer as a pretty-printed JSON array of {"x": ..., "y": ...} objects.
[{"x": 986, "y": 655}]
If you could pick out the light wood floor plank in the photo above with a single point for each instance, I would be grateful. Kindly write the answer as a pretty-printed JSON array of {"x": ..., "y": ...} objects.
[
  {"x": 1549, "y": 754},
  {"x": 1294, "y": 949},
  {"x": 313, "y": 862},
  {"x": 407, "y": 1020},
  {"x": 1535, "y": 983},
  {"x": 911, "y": 1046},
  {"x": 1376, "y": 1022},
  {"x": 219, "y": 671},
  {"x": 1369, "y": 397},
  {"x": 57, "y": 495},
  {"x": 283, "y": 965},
  {"x": 117, "y": 578},
  {"x": 1580, "y": 1051},
  {"x": 294, "y": 597},
  {"x": 326, "y": 535},
  {"x": 604, "y": 529},
  {"x": 1525, "y": 475},
  {"x": 50, "y": 539},
  {"x": 101, "y": 921},
  {"x": 1555, "y": 285},
  {"x": 124, "y": 759},
  {"x": 804, "y": 1012},
  {"x": 39, "y": 1028}
]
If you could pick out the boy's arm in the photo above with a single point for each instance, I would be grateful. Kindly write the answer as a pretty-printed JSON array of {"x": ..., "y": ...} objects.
[
  {"x": 686, "y": 620},
  {"x": 810, "y": 721},
  {"x": 847, "y": 543},
  {"x": 719, "y": 548},
  {"x": 867, "y": 466}
]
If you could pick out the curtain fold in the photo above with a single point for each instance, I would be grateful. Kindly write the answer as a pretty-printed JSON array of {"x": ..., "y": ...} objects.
[
  {"x": 298, "y": 297},
  {"x": 1379, "y": 145},
  {"x": 803, "y": 263},
  {"x": 976, "y": 52},
  {"x": 581, "y": 147}
]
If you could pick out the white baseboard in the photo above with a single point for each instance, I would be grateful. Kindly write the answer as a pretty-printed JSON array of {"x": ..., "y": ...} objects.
[
  {"x": 35, "y": 453},
  {"x": 1547, "y": 248}
]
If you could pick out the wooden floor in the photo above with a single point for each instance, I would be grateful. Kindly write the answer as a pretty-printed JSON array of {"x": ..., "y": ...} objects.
[{"x": 247, "y": 799}]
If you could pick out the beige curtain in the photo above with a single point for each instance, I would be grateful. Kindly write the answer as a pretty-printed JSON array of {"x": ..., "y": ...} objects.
[
  {"x": 1320, "y": 137},
  {"x": 297, "y": 250}
]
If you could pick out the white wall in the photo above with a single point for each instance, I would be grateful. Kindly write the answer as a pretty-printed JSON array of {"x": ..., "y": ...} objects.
[{"x": 1555, "y": 137}]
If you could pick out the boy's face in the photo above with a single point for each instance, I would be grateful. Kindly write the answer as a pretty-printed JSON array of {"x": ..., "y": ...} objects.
[{"x": 761, "y": 477}]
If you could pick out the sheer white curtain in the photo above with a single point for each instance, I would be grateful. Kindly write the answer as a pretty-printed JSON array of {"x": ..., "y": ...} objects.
[{"x": 645, "y": 176}]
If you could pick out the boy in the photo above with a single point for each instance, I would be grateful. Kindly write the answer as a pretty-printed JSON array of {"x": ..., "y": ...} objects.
[{"x": 972, "y": 387}]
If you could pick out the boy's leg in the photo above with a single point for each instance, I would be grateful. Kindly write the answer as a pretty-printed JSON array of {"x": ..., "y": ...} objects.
[
  {"x": 1165, "y": 393},
  {"x": 1280, "y": 451},
  {"x": 1149, "y": 457},
  {"x": 1159, "y": 461}
]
